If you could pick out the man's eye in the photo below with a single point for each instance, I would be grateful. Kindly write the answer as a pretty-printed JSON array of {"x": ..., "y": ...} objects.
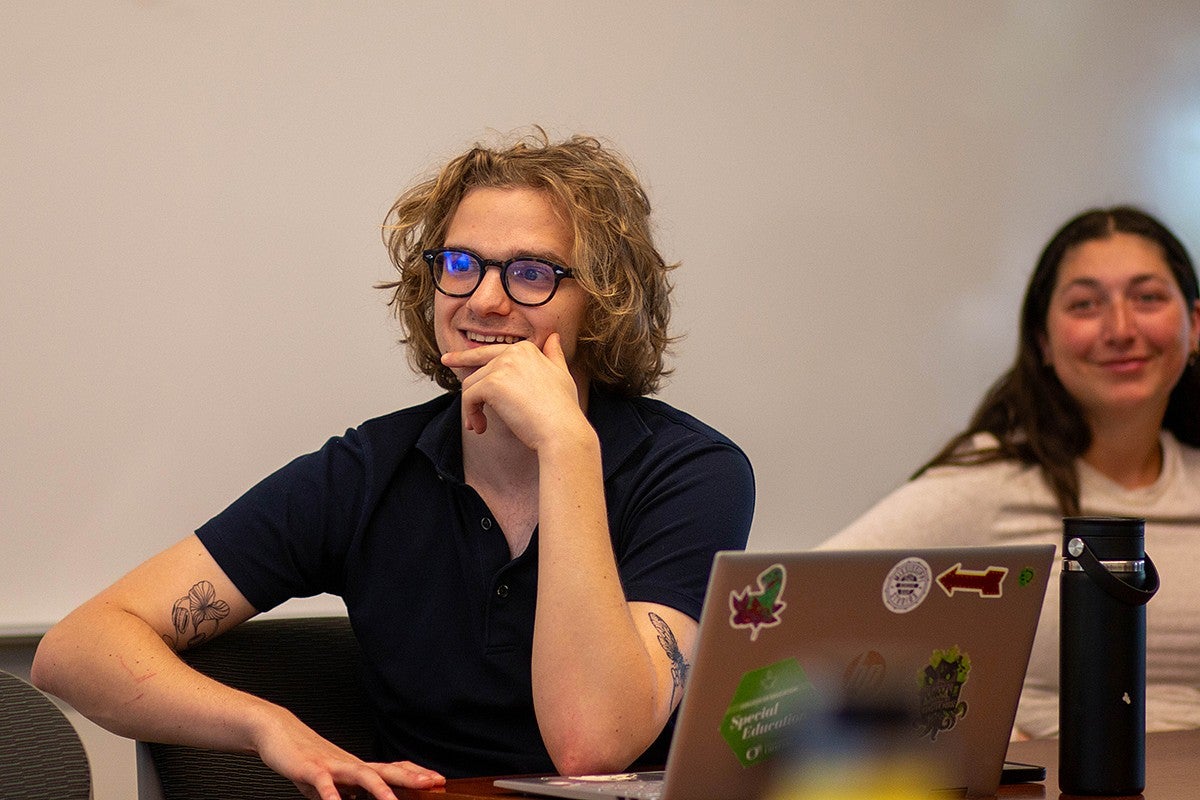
[
  {"x": 531, "y": 273},
  {"x": 459, "y": 264}
]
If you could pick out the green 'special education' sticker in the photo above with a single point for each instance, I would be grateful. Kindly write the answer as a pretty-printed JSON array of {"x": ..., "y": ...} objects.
[{"x": 767, "y": 707}]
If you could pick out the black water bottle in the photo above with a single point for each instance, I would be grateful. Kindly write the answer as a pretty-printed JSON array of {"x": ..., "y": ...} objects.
[{"x": 1107, "y": 579}]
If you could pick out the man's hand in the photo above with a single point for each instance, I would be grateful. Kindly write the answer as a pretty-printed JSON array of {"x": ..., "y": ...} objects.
[
  {"x": 112, "y": 659},
  {"x": 531, "y": 391},
  {"x": 323, "y": 771}
]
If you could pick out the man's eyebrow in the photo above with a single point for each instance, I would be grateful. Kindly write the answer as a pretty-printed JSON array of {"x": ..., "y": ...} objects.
[
  {"x": 545, "y": 255},
  {"x": 515, "y": 252}
]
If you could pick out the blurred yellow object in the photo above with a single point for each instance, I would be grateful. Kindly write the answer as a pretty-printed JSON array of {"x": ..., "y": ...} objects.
[{"x": 848, "y": 782}]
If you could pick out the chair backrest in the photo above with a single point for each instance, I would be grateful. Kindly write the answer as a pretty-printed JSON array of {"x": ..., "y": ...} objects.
[
  {"x": 41, "y": 755},
  {"x": 310, "y": 666}
]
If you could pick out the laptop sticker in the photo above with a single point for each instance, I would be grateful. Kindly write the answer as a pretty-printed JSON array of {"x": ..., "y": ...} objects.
[
  {"x": 761, "y": 609},
  {"x": 1026, "y": 576},
  {"x": 907, "y": 584},
  {"x": 988, "y": 582},
  {"x": 766, "y": 708},
  {"x": 941, "y": 683}
]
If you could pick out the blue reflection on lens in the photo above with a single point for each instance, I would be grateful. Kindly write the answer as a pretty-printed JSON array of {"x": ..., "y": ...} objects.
[{"x": 458, "y": 263}]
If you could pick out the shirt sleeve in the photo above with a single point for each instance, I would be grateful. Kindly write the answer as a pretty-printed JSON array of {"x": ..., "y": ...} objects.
[
  {"x": 686, "y": 506},
  {"x": 944, "y": 506},
  {"x": 287, "y": 535}
]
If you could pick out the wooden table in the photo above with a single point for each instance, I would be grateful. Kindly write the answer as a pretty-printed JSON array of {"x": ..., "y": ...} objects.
[
  {"x": 1172, "y": 771},
  {"x": 1172, "y": 764}
]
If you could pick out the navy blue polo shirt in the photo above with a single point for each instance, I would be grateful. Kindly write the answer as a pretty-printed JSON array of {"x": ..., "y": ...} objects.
[{"x": 382, "y": 517}]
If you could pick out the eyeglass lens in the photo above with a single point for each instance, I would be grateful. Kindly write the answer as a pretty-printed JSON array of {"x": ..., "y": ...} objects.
[{"x": 526, "y": 281}]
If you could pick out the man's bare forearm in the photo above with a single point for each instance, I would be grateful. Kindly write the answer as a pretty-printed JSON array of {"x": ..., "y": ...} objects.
[
  {"x": 596, "y": 691},
  {"x": 118, "y": 671}
]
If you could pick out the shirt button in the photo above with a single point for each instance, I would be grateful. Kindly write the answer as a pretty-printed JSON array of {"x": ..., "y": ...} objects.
[
  {"x": 502, "y": 591},
  {"x": 486, "y": 523}
]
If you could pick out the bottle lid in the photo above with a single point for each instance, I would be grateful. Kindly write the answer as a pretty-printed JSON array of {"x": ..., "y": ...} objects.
[{"x": 1109, "y": 538}]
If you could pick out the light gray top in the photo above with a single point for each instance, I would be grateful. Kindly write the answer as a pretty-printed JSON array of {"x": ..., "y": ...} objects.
[{"x": 1008, "y": 503}]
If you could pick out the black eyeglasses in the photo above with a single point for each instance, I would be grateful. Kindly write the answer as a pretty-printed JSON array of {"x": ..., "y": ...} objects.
[{"x": 527, "y": 281}]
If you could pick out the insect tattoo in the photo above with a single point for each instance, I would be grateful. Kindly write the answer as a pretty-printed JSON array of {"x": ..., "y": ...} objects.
[{"x": 679, "y": 665}]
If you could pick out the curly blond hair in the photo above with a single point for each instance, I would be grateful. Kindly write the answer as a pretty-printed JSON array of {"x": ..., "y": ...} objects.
[{"x": 624, "y": 335}]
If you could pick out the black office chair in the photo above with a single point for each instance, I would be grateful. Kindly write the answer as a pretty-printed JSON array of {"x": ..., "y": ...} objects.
[
  {"x": 309, "y": 666},
  {"x": 41, "y": 755}
]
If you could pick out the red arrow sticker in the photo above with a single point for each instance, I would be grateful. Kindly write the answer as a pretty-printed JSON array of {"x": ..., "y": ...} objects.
[{"x": 988, "y": 582}]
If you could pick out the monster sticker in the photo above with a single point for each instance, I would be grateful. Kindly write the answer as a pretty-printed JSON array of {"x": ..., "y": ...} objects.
[
  {"x": 988, "y": 582},
  {"x": 759, "y": 609},
  {"x": 941, "y": 683}
]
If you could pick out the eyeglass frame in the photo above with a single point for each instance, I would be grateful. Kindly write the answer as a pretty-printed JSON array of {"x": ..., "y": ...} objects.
[{"x": 559, "y": 271}]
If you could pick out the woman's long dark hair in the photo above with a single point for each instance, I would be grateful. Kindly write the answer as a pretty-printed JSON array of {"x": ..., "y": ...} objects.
[{"x": 1033, "y": 418}]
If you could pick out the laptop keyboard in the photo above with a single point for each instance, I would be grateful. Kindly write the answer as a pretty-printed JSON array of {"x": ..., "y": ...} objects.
[{"x": 633, "y": 790}]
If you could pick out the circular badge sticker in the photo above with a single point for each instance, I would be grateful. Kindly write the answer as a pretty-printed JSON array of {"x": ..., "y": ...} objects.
[{"x": 906, "y": 585}]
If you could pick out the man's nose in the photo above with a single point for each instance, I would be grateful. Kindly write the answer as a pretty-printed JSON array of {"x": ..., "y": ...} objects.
[{"x": 489, "y": 296}]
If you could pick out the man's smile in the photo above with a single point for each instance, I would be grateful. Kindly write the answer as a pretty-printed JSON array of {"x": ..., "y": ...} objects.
[{"x": 492, "y": 338}]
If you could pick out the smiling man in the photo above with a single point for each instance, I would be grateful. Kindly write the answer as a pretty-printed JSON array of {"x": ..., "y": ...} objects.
[{"x": 537, "y": 539}]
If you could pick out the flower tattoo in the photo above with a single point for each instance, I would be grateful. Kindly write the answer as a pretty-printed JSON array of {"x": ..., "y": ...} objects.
[{"x": 199, "y": 612}]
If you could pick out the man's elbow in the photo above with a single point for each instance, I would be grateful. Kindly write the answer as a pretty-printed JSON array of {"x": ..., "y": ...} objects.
[
  {"x": 46, "y": 672},
  {"x": 586, "y": 762},
  {"x": 63, "y": 658},
  {"x": 591, "y": 753}
]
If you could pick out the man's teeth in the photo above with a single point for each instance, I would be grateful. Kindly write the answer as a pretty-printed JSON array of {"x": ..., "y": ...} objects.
[{"x": 485, "y": 338}]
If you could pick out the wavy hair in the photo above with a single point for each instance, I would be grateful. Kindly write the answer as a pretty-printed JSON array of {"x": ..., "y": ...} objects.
[
  {"x": 1029, "y": 412},
  {"x": 624, "y": 337}
]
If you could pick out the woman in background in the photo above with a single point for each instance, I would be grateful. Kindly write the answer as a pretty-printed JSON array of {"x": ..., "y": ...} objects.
[{"x": 1099, "y": 415}]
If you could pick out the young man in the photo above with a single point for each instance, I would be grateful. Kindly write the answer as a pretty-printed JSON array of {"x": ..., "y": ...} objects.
[{"x": 523, "y": 559}]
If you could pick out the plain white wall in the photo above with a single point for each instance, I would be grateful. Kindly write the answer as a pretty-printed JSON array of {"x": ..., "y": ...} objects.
[{"x": 190, "y": 199}]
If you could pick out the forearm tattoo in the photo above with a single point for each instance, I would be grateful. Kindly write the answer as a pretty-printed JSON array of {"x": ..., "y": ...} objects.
[
  {"x": 196, "y": 616},
  {"x": 679, "y": 665}
]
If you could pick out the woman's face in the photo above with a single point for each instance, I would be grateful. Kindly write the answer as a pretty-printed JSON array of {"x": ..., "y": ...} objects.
[{"x": 1118, "y": 329}]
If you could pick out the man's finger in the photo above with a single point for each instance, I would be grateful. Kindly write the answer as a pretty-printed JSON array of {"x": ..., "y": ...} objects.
[
  {"x": 474, "y": 357},
  {"x": 406, "y": 773},
  {"x": 553, "y": 350}
]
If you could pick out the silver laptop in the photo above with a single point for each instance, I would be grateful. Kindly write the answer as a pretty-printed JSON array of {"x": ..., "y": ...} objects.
[{"x": 826, "y": 662}]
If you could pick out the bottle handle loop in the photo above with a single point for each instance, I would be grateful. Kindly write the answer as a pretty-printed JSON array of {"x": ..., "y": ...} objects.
[{"x": 1118, "y": 589}]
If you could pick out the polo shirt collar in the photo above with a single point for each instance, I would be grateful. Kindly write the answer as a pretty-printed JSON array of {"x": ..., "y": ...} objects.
[
  {"x": 441, "y": 440},
  {"x": 620, "y": 428}
]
